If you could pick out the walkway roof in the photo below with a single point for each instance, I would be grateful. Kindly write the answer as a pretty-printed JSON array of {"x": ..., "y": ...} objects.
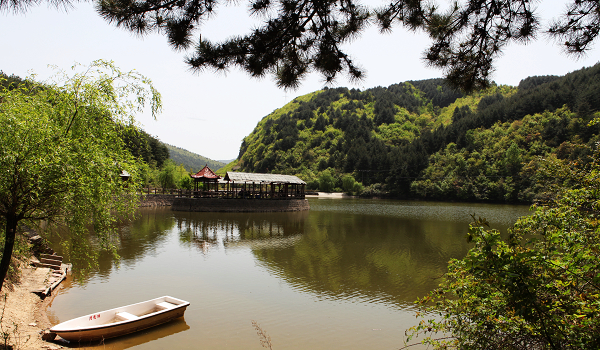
[{"x": 262, "y": 178}]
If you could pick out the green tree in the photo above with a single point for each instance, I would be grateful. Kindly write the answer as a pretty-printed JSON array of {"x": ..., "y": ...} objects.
[
  {"x": 512, "y": 159},
  {"x": 174, "y": 176},
  {"x": 61, "y": 154},
  {"x": 537, "y": 289},
  {"x": 350, "y": 185},
  {"x": 167, "y": 175},
  {"x": 326, "y": 181},
  {"x": 186, "y": 182}
]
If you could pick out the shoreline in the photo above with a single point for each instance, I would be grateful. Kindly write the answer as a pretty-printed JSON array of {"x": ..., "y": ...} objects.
[
  {"x": 329, "y": 195},
  {"x": 24, "y": 313}
]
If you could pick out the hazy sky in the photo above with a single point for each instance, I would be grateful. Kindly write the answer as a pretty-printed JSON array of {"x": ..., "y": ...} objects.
[{"x": 211, "y": 113}]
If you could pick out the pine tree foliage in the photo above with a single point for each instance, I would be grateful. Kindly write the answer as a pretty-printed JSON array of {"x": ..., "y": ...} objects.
[{"x": 296, "y": 37}]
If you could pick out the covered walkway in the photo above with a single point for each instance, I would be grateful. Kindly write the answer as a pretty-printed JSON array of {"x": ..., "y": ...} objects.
[{"x": 246, "y": 185}]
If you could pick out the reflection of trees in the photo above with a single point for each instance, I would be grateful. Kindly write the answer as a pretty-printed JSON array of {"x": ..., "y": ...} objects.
[
  {"x": 137, "y": 238},
  {"x": 233, "y": 229},
  {"x": 394, "y": 260},
  {"x": 143, "y": 235},
  {"x": 333, "y": 254}
]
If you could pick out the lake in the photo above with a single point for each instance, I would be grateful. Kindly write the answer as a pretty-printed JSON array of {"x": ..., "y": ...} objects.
[{"x": 343, "y": 275}]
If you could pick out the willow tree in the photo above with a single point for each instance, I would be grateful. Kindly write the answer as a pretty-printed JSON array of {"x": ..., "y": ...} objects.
[{"x": 61, "y": 155}]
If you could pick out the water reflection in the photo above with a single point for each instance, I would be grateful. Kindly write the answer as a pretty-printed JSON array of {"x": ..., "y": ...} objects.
[
  {"x": 346, "y": 256},
  {"x": 140, "y": 238},
  {"x": 326, "y": 278},
  {"x": 135, "y": 240},
  {"x": 369, "y": 250},
  {"x": 149, "y": 335},
  {"x": 239, "y": 230},
  {"x": 139, "y": 338}
]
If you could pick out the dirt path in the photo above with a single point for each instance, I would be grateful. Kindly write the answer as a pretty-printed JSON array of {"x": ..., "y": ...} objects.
[{"x": 25, "y": 313}]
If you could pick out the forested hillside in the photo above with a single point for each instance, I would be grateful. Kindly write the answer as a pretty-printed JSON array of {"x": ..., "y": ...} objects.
[
  {"x": 191, "y": 161},
  {"x": 10, "y": 81},
  {"x": 141, "y": 144},
  {"x": 421, "y": 139}
]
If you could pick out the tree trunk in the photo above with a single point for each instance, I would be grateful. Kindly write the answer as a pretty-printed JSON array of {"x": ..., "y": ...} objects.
[{"x": 9, "y": 242}]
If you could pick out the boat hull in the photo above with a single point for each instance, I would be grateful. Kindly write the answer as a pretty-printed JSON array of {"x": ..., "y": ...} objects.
[{"x": 89, "y": 328}]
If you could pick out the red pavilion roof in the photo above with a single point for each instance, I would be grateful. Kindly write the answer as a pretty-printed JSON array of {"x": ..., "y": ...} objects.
[{"x": 205, "y": 173}]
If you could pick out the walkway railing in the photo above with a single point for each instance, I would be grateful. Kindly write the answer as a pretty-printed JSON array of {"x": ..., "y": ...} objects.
[{"x": 236, "y": 193}]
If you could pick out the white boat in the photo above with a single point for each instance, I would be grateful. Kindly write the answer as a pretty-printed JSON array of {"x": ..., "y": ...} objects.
[{"x": 122, "y": 320}]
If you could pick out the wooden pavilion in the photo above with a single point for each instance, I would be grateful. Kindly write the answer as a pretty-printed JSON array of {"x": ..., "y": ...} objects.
[
  {"x": 210, "y": 180},
  {"x": 244, "y": 192}
]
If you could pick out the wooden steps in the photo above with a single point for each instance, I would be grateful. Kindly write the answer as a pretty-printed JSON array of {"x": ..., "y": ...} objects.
[
  {"x": 52, "y": 261},
  {"x": 58, "y": 272}
]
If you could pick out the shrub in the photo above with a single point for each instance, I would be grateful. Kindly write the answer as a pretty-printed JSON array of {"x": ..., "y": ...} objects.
[{"x": 537, "y": 289}]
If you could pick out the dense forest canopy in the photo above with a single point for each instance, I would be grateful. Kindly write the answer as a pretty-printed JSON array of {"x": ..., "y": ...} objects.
[
  {"x": 424, "y": 139},
  {"x": 145, "y": 146}
]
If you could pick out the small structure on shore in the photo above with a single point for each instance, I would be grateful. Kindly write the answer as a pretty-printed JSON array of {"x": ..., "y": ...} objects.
[
  {"x": 244, "y": 192},
  {"x": 210, "y": 180}
]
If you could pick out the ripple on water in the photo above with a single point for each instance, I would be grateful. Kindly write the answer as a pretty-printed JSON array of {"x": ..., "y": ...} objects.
[{"x": 438, "y": 211}]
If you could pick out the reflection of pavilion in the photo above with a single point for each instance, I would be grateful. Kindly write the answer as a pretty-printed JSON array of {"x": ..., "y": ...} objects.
[
  {"x": 264, "y": 243},
  {"x": 233, "y": 230},
  {"x": 243, "y": 192}
]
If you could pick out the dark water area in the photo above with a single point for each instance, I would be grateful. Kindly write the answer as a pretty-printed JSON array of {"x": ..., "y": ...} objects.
[{"x": 343, "y": 275}]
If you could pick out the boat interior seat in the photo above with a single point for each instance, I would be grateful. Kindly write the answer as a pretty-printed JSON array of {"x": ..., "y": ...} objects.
[
  {"x": 166, "y": 305},
  {"x": 126, "y": 316}
]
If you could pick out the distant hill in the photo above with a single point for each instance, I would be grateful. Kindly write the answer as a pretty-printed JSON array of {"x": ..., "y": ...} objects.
[
  {"x": 192, "y": 160},
  {"x": 422, "y": 139},
  {"x": 348, "y": 130}
]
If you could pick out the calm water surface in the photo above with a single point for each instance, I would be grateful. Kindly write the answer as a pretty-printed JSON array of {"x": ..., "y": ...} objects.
[{"x": 343, "y": 275}]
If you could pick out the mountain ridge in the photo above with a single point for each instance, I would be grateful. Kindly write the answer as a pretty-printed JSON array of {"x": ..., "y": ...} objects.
[
  {"x": 192, "y": 161},
  {"x": 388, "y": 137}
]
